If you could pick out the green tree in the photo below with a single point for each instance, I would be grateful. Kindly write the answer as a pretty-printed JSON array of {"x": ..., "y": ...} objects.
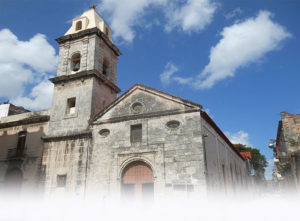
[{"x": 258, "y": 160}]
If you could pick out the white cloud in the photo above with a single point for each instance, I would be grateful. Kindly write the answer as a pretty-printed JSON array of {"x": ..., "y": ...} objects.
[
  {"x": 170, "y": 69},
  {"x": 242, "y": 44},
  {"x": 195, "y": 15},
  {"x": 13, "y": 79},
  {"x": 234, "y": 13},
  {"x": 25, "y": 64},
  {"x": 124, "y": 15},
  {"x": 239, "y": 137},
  {"x": 39, "y": 98},
  {"x": 36, "y": 53}
]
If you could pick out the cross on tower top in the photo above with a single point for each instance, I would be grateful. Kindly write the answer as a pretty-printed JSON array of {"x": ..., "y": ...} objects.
[{"x": 93, "y": 6}]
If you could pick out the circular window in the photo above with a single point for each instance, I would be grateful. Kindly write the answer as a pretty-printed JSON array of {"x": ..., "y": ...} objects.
[
  {"x": 104, "y": 132},
  {"x": 137, "y": 107},
  {"x": 173, "y": 124}
]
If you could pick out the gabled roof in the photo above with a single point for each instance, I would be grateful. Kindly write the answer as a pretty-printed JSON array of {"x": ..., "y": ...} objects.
[{"x": 150, "y": 90}]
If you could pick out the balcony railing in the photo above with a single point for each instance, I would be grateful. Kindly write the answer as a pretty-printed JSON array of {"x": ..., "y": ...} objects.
[{"x": 14, "y": 153}]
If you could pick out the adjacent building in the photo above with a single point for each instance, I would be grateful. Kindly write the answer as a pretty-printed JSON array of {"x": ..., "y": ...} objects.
[
  {"x": 8, "y": 109},
  {"x": 286, "y": 150}
]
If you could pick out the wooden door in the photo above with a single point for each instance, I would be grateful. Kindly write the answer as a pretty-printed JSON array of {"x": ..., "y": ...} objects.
[{"x": 137, "y": 182}]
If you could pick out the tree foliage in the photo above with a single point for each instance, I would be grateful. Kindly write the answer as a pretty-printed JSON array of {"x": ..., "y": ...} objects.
[{"x": 259, "y": 161}]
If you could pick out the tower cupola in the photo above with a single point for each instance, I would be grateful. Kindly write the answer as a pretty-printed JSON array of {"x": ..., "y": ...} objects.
[{"x": 89, "y": 19}]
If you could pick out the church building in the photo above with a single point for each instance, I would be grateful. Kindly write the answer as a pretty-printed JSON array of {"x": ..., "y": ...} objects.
[{"x": 143, "y": 144}]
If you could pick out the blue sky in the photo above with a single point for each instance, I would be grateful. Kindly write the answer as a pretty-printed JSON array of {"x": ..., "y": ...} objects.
[{"x": 238, "y": 58}]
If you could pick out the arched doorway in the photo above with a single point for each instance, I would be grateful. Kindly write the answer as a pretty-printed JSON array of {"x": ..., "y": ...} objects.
[
  {"x": 137, "y": 182},
  {"x": 13, "y": 180}
]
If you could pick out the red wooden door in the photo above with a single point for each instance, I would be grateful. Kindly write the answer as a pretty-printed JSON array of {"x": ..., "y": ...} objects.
[{"x": 137, "y": 182}]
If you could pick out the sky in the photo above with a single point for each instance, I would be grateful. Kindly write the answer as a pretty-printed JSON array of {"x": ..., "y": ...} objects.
[{"x": 239, "y": 59}]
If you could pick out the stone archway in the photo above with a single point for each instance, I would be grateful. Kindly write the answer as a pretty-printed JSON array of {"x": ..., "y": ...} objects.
[
  {"x": 13, "y": 180},
  {"x": 137, "y": 182}
]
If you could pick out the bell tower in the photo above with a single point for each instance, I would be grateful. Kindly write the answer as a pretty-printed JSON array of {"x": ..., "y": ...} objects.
[{"x": 86, "y": 74}]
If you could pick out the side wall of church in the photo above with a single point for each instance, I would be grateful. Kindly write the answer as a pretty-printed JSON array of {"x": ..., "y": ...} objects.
[
  {"x": 227, "y": 172},
  {"x": 175, "y": 156}
]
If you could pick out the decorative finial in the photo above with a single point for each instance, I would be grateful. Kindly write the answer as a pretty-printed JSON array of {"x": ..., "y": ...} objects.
[{"x": 93, "y": 6}]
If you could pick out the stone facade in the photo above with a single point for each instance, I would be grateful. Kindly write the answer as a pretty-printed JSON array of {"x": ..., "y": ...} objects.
[
  {"x": 287, "y": 152},
  {"x": 174, "y": 154},
  {"x": 89, "y": 138}
]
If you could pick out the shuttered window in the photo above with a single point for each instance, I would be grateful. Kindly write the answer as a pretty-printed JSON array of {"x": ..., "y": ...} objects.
[
  {"x": 136, "y": 133},
  {"x": 21, "y": 144}
]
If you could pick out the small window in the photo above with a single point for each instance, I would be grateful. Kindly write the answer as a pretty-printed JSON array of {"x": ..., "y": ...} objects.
[
  {"x": 21, "y": 144},
  {"x": 61, "y": 180},
  {"x": 71, "y": 106},
  {"x": 76, "y": 62},
  {"x": 104, "y": 132},
  {"x": 78, "y": 25},
  {"x": 136, "y": 133},
  {"x": 173, "y": 124},
  {"x": 105, "y": 67}
]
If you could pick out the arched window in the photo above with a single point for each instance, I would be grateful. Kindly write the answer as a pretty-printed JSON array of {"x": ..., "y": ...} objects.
[
  {"x": 21, "y": 144},
  {"x": 76, "y": 62},
  {"x": 137, "y": 182},
  {"x": 78, "y": 25},
  {"x": 105, "y": 67}
]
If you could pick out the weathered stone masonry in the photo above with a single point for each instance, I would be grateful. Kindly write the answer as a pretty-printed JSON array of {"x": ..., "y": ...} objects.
[{"x": 84, "y": 144}]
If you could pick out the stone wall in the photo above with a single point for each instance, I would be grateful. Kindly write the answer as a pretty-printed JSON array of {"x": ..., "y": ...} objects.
[
  {"x": 174, "y": 154},
  {"x": 102, "y": 51},
  {"x": 219, "y": 154},
  {"x": 291, "y": 131},
  {"x": 66, "y": 156},
  {"x": 62, "y": 123},
  {"x": 93, "y": 51},
  {"x": 102, "y": 96}
]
